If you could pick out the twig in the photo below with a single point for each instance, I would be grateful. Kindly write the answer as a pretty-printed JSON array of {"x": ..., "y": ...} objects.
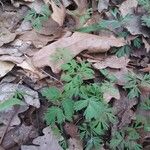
[{"x": 52, "y": 76}]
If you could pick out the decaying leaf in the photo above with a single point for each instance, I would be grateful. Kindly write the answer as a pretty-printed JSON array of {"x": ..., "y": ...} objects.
[
  {"x": 5, "y": 67},
  {"x": 19, "y": 134},
  {"x": 46, "y": 142},
  {"x": 59, "y": 12},
  {"x": 5, "y": 116},
  {"x": 128, "y": 7},
  {"x": 135, "y": 28},
  {"x": 74, "y": 44},
  {"x": 6, "y": 36},
  {"x": 102, "y": 4},
  {"x": 111, "y": 62},
  {"x": 123, "y": 110},
  {"x": 50, "y": 27}
]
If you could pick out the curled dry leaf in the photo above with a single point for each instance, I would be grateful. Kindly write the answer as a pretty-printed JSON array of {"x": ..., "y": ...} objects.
[
  {"x": 128, "y": 7},
  {"x": 74, "y": 44},
  {"x": 102, "y": 4},
  {"x": 46, "y": 142},
  {"x": 147, "y": 45},
  {"x": 111, "y": 62},
  {"x": 59, "y": 12},
  {"x": 5, "y": 67}
]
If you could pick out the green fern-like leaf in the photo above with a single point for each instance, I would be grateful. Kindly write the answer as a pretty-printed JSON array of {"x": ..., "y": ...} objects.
[
  {"x": 68, "y": 107},
  {"x": 146, "y": 21},
  {"x": 54, "y": 115}
]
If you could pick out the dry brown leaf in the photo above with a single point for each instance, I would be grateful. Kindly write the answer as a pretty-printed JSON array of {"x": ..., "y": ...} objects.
[
  {"x": 59, "y": 13},
  {"x": 82, "y": 6},
  {"x": 5, "y": 67},
  {"x": 46, "y": 142},
  {"x": 124, "y": 110},
  {"x": 75, "y": 144},
  {"x": 102, "y": 4},
  {"x": 19, "y": 135},
  {"x": 37, "y": 39},
  {"x": 31, "y": 71},
  {"x": 135, "y": 28},
  {"x": 147, "y": 45},
  {"x": 111, "y": 62},
  {"x": 74, "y": 44},
  {"x": 50, "y": 27},
  {"x": 6, "y": 36},
  {"x": 128, "y": 7}
]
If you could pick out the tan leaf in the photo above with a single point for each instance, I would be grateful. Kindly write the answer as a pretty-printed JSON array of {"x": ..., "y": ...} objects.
[
  {"x": 75, "y": 44},
  {"x": 5, "y": 67},
  {"x": 111, "y": 62},
  {"x": 6, "y": 36},
  {"x": 50, "y": 27},
  {"x": 37, "y": 39},
  {"x": 59, "y": 12},
  {"x": 135, "y": 28},
  {"x": 147, "y": 45},
  {"x": 127, "y": 7},
  {"x": 46, "y": 142}
]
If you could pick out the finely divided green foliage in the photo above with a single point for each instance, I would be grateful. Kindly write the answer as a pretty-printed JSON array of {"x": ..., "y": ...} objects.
[
  {"x": 145, "y": 4},
  {"x": 125, "y": 139},
  {"x": 133, "y": 82},
  {"x": 113, "y": 24},
  {"x": 78, "y": 97},
  {"x": 146, "y": 20},
  {"x": 36, "y": 19}
]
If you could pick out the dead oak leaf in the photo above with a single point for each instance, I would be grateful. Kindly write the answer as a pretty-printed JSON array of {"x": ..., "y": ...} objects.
[
  {"x": 46, "y": 142},
  {"x": 75, "y": 44}
]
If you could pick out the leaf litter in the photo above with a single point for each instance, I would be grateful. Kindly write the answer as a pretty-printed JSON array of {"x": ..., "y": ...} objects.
[{"x": 34, "y": 58}]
